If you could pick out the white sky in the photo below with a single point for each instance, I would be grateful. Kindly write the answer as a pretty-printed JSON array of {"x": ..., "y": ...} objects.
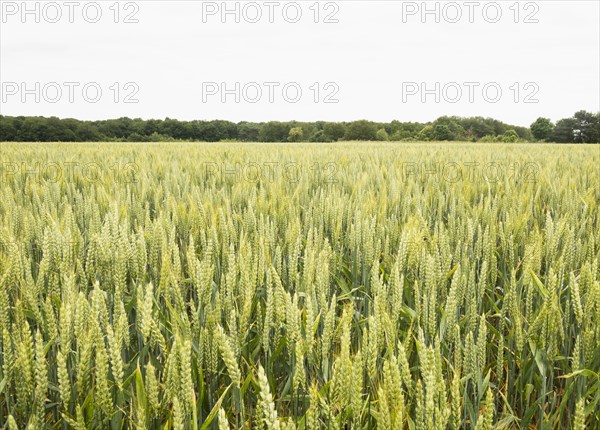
[{"x": 368, "y": 55}]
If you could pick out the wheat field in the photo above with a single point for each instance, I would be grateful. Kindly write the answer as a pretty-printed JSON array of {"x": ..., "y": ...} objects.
[{"x": 299, "y": 286}]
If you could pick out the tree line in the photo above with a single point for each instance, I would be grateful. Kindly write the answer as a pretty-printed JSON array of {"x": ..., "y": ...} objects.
[{"x": 582, "y": 127}]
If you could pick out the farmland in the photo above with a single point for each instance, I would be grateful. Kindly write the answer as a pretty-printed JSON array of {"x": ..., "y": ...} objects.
[{"x": 299, "y": 286}]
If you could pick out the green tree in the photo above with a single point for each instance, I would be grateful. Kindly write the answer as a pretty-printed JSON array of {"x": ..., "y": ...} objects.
[
  {"x": 319, "y": 136},
  {"x": 564, "y": 132},
  {"x": 382, "y": 135},
  {"x": 295, "y": 134},
  {"x": 427, "y": 134},
  {"x": 248, "y": 132},
  {"x": 449, "y": 128},
  {"x": 361, "y": 130},
  {"x": 334, "y": 131},
  {"x": 477, "y": 127},
  {"x": 587, "y": 127},
  {"x": 542, "y": 129},
  {"x": 406, "y": 131},
  {"x": 136, "y": 137},
  {"x": 510, "y": 136},
  {"x": 274, "y": 131},
  {"x": 489, "y": 138},
  {"x": 442, "y": 132},
  {"x": 524, "y": 133},
  {"x": 8, "y": 131},
  {"x": 583, "y": 127},
  {"x": 33, "y": 129},
  {"x": 88, "y": 132}
]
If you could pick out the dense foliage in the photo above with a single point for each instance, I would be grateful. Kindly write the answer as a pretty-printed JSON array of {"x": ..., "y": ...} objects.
[
  {"x": 584, "y": 127},
  {"x": 338, "y": 286}
]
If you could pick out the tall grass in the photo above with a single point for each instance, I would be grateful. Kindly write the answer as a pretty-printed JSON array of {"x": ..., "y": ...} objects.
[{"x": 417, "y": 286}]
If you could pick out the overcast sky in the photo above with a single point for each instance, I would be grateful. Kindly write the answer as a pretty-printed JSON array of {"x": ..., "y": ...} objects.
[{"x": 362, "y": 59}]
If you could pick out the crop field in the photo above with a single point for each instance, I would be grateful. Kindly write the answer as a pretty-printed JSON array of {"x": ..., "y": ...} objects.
[{"x": 299, "y": 286}]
